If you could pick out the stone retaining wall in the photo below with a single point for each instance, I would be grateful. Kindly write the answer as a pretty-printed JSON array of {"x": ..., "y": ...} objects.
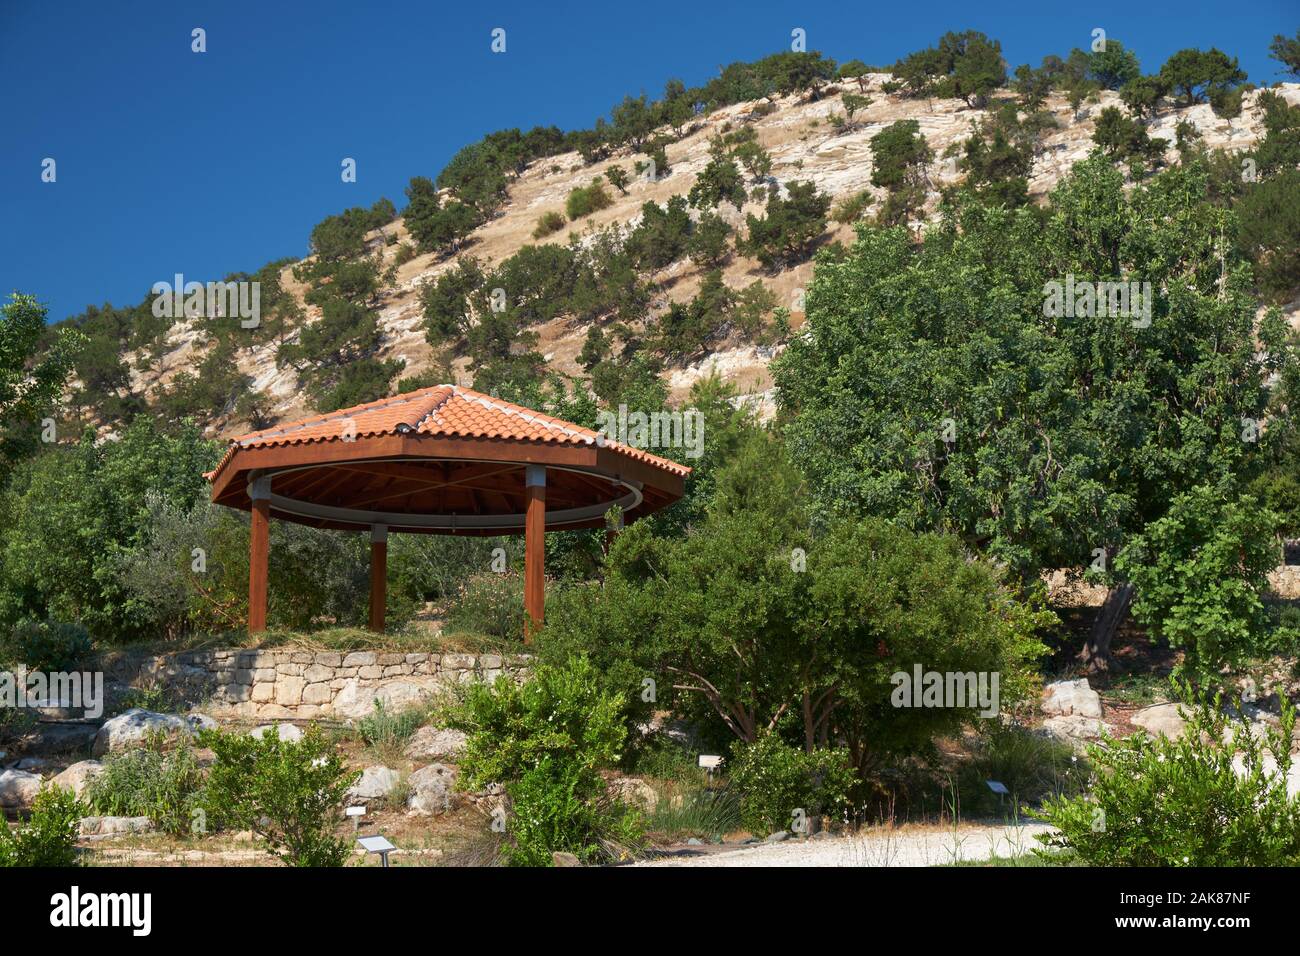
[{"x": 287, "y": 683}]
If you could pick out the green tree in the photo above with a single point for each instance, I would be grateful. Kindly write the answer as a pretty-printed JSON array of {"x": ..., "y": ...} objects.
[
  {"x": 941, "y": 387},
  {"x": 1200, "y": 74},
  {"x": 31, "y": 381},
  {"x": 785, "y": 234},
  {"x": 719, "y": 181},
  {"x": 1286, "y": 50}
]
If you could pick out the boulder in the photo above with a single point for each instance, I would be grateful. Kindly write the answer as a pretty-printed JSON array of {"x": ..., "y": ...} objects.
[
  {"x": 1071, "y": 698},
  {"x": 286, "y": 732},
  {"x": 130, "y": 729},
  {"x": 435, "y": 743},
  {"x": 105, "y": 827},
  {"x": 559, "y": 858},
  {"x": 431, "y": 791},
  {"x": 77, "y": 777},
  {"x": 18, "y": 789},
  {"x": 1161, "y": 719},
  {"x": 375, "y": 784},
  {"x": 634, "y": 792},
  {"x": 356, "y": 700}
]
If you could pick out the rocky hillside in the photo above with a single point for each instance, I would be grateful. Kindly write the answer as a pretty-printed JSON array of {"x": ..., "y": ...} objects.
[{"x": 803, "y": 145}]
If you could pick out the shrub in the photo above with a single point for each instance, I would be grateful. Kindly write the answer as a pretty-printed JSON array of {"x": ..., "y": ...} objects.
[
  {"x": 286, "y": 792},
  {"x": 699, "y": 812},
  {"x": 1215, "y": 797},
  {"x": 1030, "y": 765},
  {"x": 387, "y": 731},
  {"x": 779, "y": 784},
  {"x": 851, "y": 208},
  {"x": 49, "y": 837},
  {"x": 547, "y": 224},
  {"x": 490, "y": 604},
  {"x": 584, "y": 200},
  {"x": 707, "y": 245},
  {"x": 165, "y": 785},
  {"x": 48, "y": 646},
  {"x": 786, "y": 234},
  {"x": 545, "y": 741}
]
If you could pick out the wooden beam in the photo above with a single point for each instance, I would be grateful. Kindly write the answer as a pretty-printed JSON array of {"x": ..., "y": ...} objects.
[
  {"x": 259, "y": 547},
  {"x": 378, "y": 576},
  {"x": 534, "y": 551}
]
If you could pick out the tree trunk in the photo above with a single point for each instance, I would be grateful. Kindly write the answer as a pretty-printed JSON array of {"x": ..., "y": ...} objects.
[{"x": 1095, "y": 655}]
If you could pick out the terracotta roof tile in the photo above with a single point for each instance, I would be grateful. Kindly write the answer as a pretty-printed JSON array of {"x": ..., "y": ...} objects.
[{"x": 443, "y": 411}]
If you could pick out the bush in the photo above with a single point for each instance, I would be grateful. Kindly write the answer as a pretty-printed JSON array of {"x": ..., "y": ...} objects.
[
  {"x": 49, "y": 837},
  {"x": 288, "y": 793},
  {"x": 1030, "y": 765},
  {"x": 852, "y": 208},
  {"x": 548, "y": 223},
  {"x": 1157, "y": 802},
  {"x": 165, "y": 785},
  {"x": 490, "y": 604},
  {"x": 48, "y": 646},
  {"x": 545, "y": 741},
  {"x": 792, "y": 225},
  {"x": 584, "y": 200},
  {"x": 387, "y": 731},
  {"x": 779, "y": 784}
]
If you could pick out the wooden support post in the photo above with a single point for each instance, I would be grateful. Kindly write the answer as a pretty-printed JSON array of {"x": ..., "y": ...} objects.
[
  {"x": 534, "y": 550},
  {"x": 259, "y": 547},
  {"x": 378, "y": 576}
]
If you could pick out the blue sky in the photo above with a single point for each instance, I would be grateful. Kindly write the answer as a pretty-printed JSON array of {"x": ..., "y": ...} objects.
[{"x": 170, "y": 161}]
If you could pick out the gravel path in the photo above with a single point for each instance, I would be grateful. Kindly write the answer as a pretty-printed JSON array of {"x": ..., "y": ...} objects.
[{"x": 905, "y": 846}]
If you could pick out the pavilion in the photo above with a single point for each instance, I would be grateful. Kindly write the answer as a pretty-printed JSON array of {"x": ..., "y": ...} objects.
[{"x": 441, "y": 460}]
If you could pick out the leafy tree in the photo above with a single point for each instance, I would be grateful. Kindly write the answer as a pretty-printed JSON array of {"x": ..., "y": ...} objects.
[
  {"x": 1142, "y": 94},
  {"x": 965, "y": 65},
  {"x": 719, "y": 181},
  {"x": 446, "y": 300},
  {"x": 998, "y": 157},
  {"x": 1270, "y": 232},
  {"x": 790, "y": 226},
  {"x": 1286, "y": 50},
  {"x": 707, "y": 245},
  {"x": 900, "y": 155},
  {"x": 30, "y": 383},
  {"x": 73, "y": 513},
  {"x": 1199, "y": 573},
  {"x": 617, "y": 177},
  {"x": 1112, "y": 66},
  {"x": 1199, "y": 74},
  {"x": 662, "y": 235},
  {"x": 1121, "y": 137},
  {"x": 436, "y": 227},
  {"x": 941, "y": 388}
]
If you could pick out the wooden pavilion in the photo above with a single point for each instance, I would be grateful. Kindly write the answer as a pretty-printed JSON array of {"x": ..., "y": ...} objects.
[{"x": 442, "y": 460}]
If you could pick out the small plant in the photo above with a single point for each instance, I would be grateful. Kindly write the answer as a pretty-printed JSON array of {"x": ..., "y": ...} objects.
[
  {"x": 49, "y": 837},
  {"x": 776, "y": 783},
  {"x": 698, "y": 812},
  {"x": 156, "y": 781},
  {"x": 1032, "y": 767},
  {"x": 490, "y": 604},
  {"x": 584, "y": 200},
  {"x": 287, "y": 792},
  {"x": 548, "y": 223},
  {"x": 386, "y": 731},
  {"x": 852, "y": 208},
  {"x": 1217, "y": 796}
]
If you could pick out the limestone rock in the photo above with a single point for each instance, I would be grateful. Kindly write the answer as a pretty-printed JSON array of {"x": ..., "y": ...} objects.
[
  {"x": 431, "y": 790},
  {"x": 354, "y": 700},
  {"x": 77, "y": 777},
  {"x": 433, "y": 743},
  {"x": 635, "y": 792},
  {"x": 1161, "y": 719},
  {"x": 105, "y": 827},
  {"x": 130, "y": 729},
  {"x": 18, "y": 789},
  {"x": 375, "y": 784},
  {"x": 1071, "y": 698},
  {"x": 286, "y": 732}
]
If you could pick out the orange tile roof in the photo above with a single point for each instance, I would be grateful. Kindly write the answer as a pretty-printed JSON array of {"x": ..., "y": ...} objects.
[{"x": 443, "y": 411}]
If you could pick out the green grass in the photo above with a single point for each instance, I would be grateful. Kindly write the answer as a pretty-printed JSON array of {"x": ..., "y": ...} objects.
[
  {"x": 703, "y": 813},
  {"x": 1028, "y": 859}
]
